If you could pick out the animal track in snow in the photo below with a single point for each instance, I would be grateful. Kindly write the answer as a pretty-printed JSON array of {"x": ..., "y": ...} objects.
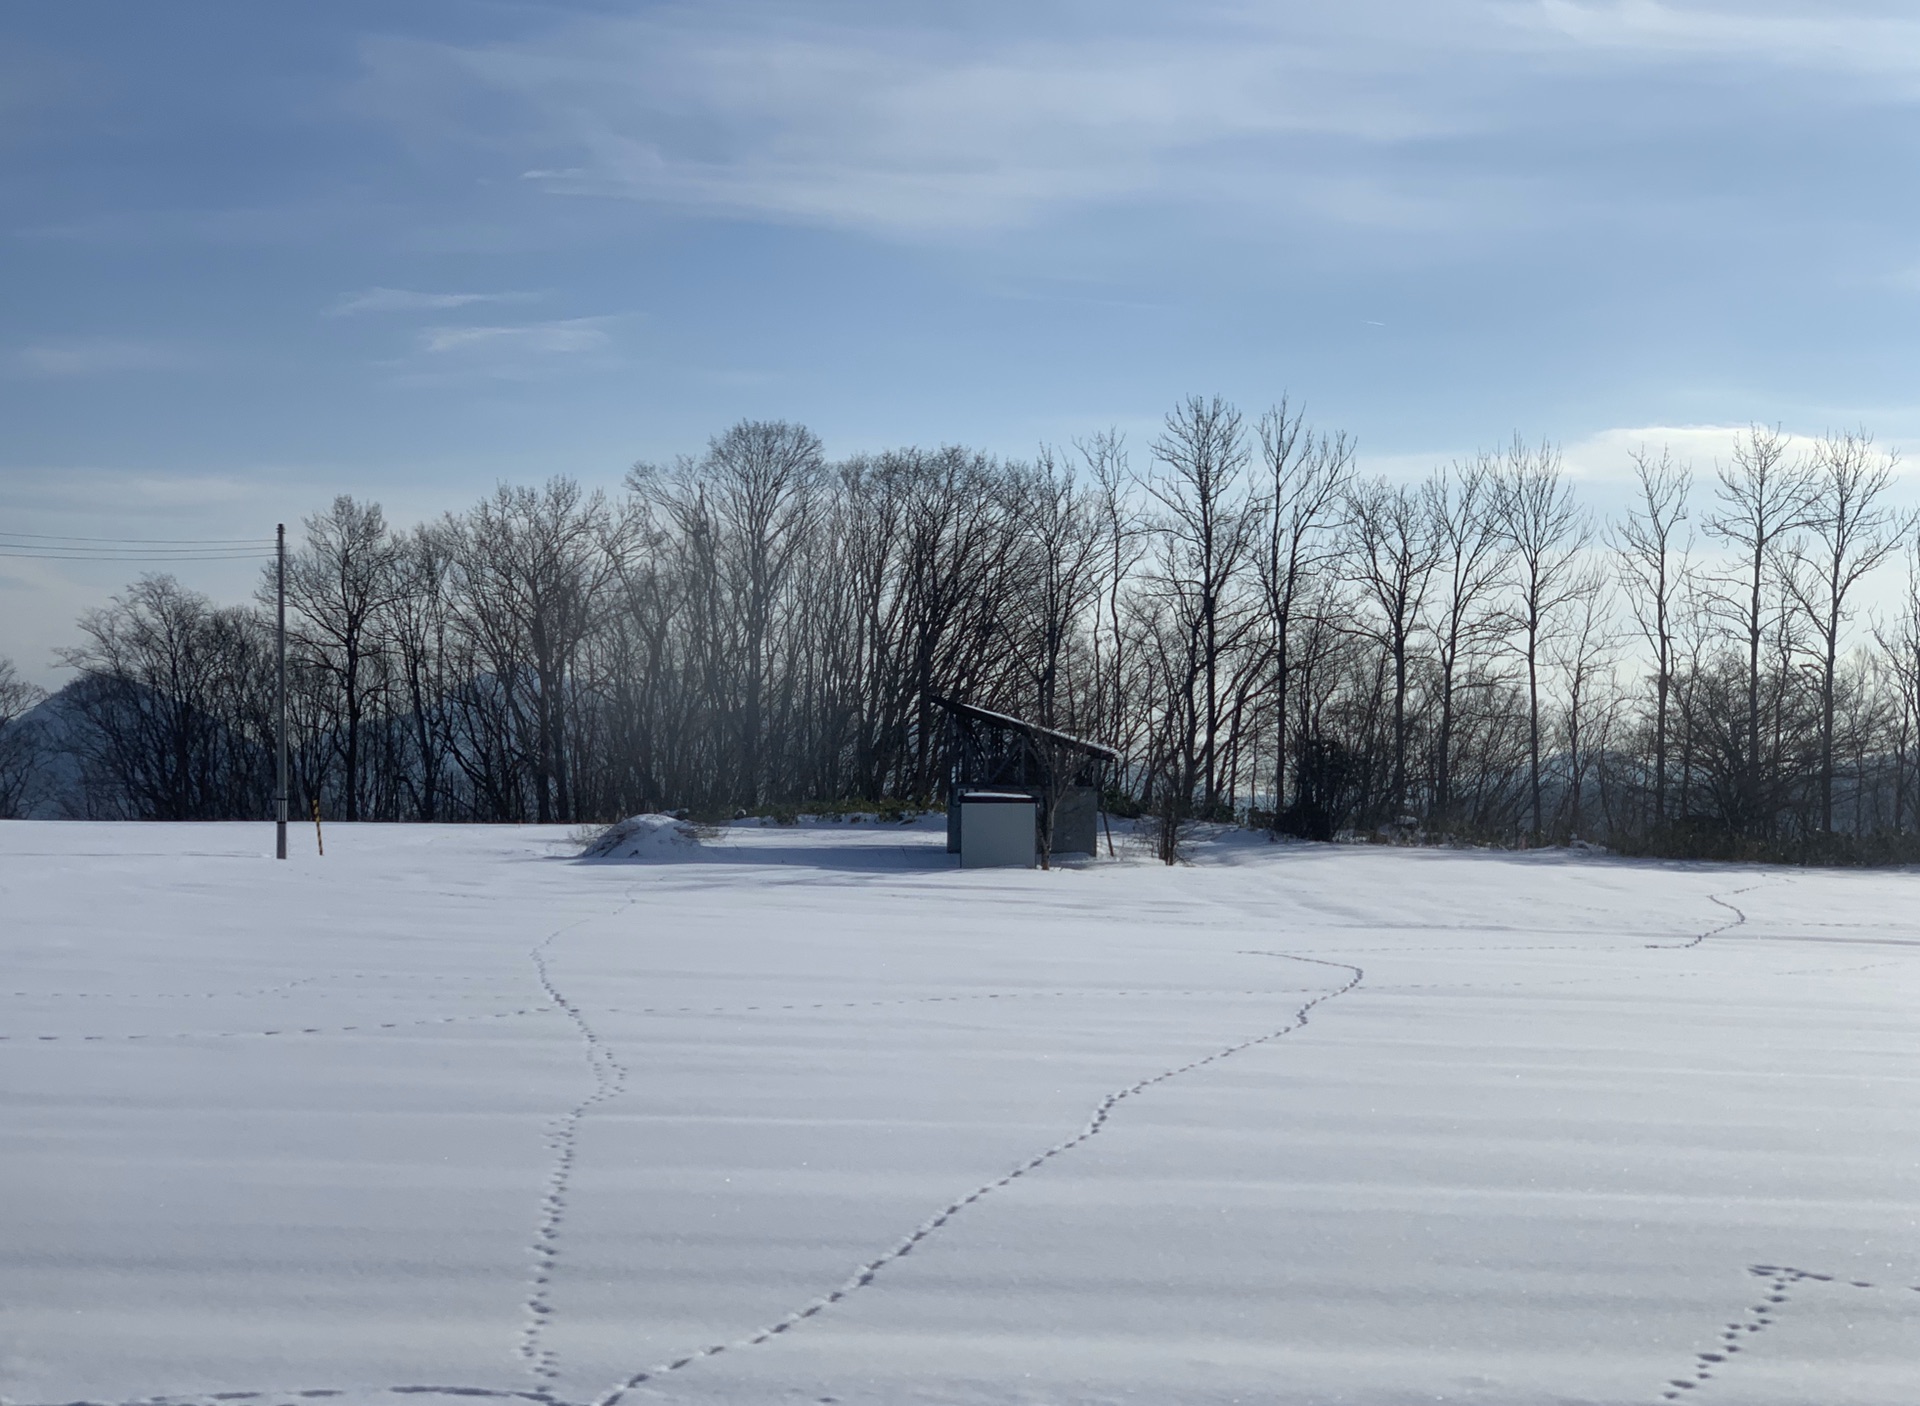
[
  {"x": 320, "y": 1393},
  {"x": 1780, "y": 1281},
  {"x": 1390, "y": 988},
  {"x": 932, "y": 1000},
  {"x": 1739, "y": 917},
  {"x": 1102, "y": 1114},
  {"x": 363, "y": 1028},
  {"x": 609, "y": 1081},
  {"x": 278, "y": 990}
]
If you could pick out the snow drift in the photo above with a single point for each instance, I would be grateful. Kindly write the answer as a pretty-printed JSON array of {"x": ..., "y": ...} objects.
[{"x": 644, "y": 837}]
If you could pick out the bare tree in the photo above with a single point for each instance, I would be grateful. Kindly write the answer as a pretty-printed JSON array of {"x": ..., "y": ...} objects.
[
  {"x": 1169, "y": 652},
  {"x": 1851, "y": 531},
  {"x": 1470, "y": 562},
  {"x": 1696, "y": 631},
  {"x": 537, "y": 568},
  {"x": 1584, "y": 653},
  {"x": 415, "y": 628},
  {"x": 1545, "y": 531},
  {"x": 169, "y": 706},
  {"x": 1391, "y": 554},
  {"x": 1764, "y": 498},
  {"x": 1305, "y": 480},
  {"x": 1899, "y": 641},
  {"x": 22, "y": 743},
  {"x": 1121, "y": 535},
  {"x": 1206, "y": 530},
  {"x": 747, "y": 507},
  {"x": 958, "y": 537},
  {"x": 1057, "y": 569},
  {"x": 337, "y": 587},
  {"x": 1653, "y": 566}
]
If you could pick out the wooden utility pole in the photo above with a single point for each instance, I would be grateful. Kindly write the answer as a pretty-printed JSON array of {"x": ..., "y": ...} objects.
[{"x": 280, "y": 696}]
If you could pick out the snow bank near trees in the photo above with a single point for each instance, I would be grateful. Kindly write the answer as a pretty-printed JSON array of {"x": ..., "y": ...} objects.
[{"x": 644, "y": 837}]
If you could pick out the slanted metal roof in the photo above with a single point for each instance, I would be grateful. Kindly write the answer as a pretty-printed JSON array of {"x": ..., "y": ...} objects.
[{"x": 987, "y": 715}]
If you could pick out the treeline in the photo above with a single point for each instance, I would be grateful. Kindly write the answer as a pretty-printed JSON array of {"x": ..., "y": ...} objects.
[{"x": 1264, "y": 634}]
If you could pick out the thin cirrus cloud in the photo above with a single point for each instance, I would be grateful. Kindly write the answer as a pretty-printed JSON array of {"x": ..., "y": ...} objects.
[
  {"x": 404, "y": 300},
  {"x": 457, "y": 353},
  {"x": 885, "y": 127},
  {"x": 899, "y": 128},
  {"x": 1852, "y": 38},
  {"x": 562, "y": 337}
]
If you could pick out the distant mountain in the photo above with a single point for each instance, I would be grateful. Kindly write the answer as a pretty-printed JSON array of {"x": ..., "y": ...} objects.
[{"x": 54, "y": 791}]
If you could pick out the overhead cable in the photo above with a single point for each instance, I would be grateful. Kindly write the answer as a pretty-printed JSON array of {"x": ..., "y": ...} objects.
[{"x": 145, "y": 541}]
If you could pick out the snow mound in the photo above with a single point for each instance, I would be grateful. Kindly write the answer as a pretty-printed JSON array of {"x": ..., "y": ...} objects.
[{"x": 644, "y": 837}]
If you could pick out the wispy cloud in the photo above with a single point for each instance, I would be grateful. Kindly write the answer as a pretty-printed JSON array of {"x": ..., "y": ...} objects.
[
  {"x": 564, "y": 337},
  {"x": 1365, "y": 115},
  {"x": 887, "y": 126},
  {"x": 1847, "y": 37},
  {"x": 378, "y": 300},
  {"x": 95, "y": 356},
  {"x": 452, "y": 353}
]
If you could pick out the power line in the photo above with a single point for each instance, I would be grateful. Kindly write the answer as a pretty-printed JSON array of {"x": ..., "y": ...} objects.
[
  {"x": 107, "y": 554},
  {"x": 43, "y": 546},
  {"x": 261, "y": 542}
]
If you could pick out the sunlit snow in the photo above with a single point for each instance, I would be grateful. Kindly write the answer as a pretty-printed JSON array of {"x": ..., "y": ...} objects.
[{"x": 808, "y": 1114}]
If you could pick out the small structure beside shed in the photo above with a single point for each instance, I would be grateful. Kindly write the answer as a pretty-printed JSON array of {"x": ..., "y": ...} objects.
[
  {"x": 997, "y": 830},
  {"x": 991, "y": 753}
]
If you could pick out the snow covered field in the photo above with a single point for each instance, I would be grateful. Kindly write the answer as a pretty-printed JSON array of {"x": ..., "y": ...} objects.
[{"x": 808, "y": 1115}]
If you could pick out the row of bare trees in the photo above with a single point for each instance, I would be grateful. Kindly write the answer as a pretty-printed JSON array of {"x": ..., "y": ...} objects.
[{"x": 1262, "y": 631}]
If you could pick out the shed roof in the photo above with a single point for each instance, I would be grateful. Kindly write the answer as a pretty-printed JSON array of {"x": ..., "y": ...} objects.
[{"x": 1033, "y": 730}]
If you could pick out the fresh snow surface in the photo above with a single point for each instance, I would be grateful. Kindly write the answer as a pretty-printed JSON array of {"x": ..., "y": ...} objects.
[{"x": 810, "y": 1115}]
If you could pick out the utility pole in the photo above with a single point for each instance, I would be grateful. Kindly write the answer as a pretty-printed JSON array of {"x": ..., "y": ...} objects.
[{"x": 280, "y": 696}]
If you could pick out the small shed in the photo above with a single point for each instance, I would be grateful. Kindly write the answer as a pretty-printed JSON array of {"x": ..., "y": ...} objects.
[
  {"x": 997, "y": 830},
  {"x": 997, "y": 753}
]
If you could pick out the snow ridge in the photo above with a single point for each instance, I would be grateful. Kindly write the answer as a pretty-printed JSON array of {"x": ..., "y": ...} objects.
[{"x": 1102, "y": 1113}]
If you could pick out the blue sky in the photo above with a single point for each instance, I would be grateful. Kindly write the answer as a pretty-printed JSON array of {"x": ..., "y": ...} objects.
[{"x": 260, "y": 254}]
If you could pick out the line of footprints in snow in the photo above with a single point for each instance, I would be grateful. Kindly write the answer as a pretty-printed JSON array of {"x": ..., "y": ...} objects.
[
  {"x": 609, "y": 1077},
  {"x": 1780, "y": 1279},
  {"x": 1159, "y": 993}
]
